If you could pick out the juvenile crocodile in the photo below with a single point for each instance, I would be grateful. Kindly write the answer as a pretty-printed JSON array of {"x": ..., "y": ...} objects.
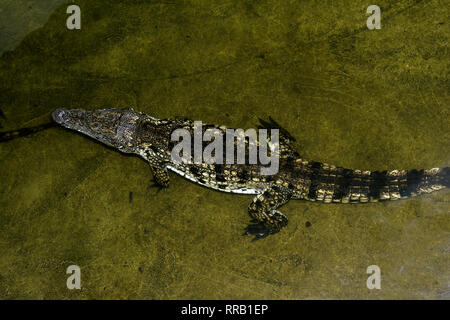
[{"x": 134, "y": 132}]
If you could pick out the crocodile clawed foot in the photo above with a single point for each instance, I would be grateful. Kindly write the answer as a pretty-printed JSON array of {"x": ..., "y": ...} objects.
[
  {"x": 259, "y": 230},
  {"x": 158, "y": 186}
]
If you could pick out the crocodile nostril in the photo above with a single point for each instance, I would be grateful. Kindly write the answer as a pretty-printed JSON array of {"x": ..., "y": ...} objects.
[{"x": 58, "y": 114}]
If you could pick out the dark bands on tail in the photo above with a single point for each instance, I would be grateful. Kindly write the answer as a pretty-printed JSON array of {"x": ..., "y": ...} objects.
[
  {"x": 334, "y": 184},
  {"x": 343, "y": 184},
  {"x": 443, "y": 177},
  {"x": 315, "y": 179}
]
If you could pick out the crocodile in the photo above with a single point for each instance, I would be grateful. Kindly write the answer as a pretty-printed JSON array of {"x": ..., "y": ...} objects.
[{"x": 134, "y": 132}]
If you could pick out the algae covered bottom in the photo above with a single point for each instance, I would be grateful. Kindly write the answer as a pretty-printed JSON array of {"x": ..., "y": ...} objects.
[{"x": 352, "y": 97}]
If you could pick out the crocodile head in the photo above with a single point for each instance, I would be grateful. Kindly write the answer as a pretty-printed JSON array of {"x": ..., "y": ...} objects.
[
  {"x": 113, "y": 127},
  {"x": 125, "y": 129}
]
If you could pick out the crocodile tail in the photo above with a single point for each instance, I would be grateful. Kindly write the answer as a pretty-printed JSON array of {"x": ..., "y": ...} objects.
[
  {"x": 335, "y": 184},
  {"x": 443, "y": 177},
  {"x": 409, "y": 183},
  {"x": 10, "y": 135}
]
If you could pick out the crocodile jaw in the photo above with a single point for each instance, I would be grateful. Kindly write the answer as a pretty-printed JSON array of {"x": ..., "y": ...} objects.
[{"x": 113, "y": 127}]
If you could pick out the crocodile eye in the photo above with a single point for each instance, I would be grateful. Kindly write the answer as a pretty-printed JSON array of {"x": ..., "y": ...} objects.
[
  {"x": 146, "y": 131},
  {"x": 147, "y": 125}
]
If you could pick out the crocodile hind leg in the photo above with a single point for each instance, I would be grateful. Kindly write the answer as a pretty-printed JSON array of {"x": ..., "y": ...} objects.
[{"x": 266, "y": 219}]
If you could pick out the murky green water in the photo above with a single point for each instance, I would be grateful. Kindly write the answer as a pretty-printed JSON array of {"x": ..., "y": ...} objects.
[{"x": 352, "y": 97}]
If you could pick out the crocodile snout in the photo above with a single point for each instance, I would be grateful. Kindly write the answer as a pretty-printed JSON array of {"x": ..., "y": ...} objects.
[{"x": 58, "y": 115}]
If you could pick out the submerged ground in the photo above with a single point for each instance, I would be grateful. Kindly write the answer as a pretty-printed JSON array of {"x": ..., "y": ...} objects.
[{"x": 352, "y": 97}]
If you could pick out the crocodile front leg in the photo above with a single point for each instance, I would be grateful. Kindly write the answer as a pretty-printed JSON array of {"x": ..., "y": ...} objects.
[
  {"x": 161, "y": 177},
  {"x": 267, "y": 220}
]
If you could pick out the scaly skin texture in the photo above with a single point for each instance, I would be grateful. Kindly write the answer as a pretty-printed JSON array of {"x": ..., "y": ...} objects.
[{"x": 133, "y": 132}]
